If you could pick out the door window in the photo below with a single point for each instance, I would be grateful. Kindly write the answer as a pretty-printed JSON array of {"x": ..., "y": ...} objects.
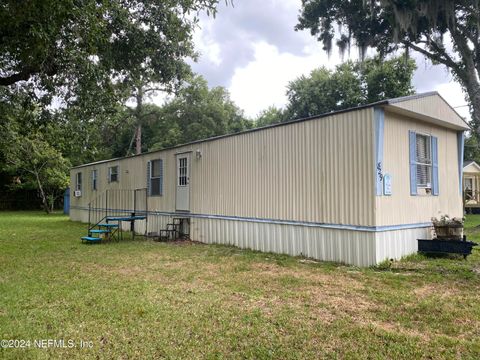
[{"x": 182, "y": 172}]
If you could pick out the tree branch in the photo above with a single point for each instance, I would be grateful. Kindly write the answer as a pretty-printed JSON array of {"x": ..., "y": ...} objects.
[
  {"x": 445, "y": 61},
  {"x": 27, "y": 72},
  {"x": 14, "y": 78},
  {"x": 153, "y": 89}
]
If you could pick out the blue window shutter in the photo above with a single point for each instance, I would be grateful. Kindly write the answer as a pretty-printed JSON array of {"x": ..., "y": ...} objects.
[
  {"x": 435, "y": 185},
  {"x": 149, "y": 171},
  {"x": 413, "y": 162},
  {"x": 379, "y": 116},
  {"x": 461, "y": 144},
  {"x": 161, "y": 176}
]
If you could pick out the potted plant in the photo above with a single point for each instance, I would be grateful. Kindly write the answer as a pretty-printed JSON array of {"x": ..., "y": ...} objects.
[
  {"x": 448, "y": 228},
  {"x": 449, "y": 238}
]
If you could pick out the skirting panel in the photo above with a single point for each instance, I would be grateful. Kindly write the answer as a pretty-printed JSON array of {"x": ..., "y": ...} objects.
[
  {"x": 344, "y": 246},
  {"x": 360, "y": 248},
  {"x": 78, "y": 215},
  {"x": 398, "y": 243}
]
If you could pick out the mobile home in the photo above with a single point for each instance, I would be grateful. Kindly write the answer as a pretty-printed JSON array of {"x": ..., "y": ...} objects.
[
  {"x": 471, "y": 186},
  {"x": 356, "y": 186}
]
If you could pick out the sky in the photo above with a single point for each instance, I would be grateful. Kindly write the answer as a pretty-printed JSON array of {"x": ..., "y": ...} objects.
[{"x": 253, "y": 50}]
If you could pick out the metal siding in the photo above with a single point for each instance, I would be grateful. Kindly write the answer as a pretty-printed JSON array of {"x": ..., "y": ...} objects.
[
  {"x": 401, "y": 207},
  {"x": 379, "y": 115},
  {"x": 432, "y": 106},
  {"x": 398, "y": 243},
  {"x": 316, "y": 171},
  {"x": 344, "y": 246},
  {"x": 283, "y": 173}
]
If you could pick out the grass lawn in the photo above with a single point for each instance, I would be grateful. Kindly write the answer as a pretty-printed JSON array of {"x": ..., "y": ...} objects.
[{"x": 142, "y": 299}]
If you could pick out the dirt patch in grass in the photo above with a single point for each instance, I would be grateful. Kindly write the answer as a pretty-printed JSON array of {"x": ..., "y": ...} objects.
[
  {"x": 437, "y": 290},
  {"x": 396, "y": 329}
]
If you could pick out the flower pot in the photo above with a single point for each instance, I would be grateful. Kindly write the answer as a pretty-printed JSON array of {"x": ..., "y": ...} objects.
[{"x": 453, "y": 231}]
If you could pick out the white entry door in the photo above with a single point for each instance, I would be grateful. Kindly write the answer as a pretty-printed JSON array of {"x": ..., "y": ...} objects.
[{"x": 183, "y": 182}]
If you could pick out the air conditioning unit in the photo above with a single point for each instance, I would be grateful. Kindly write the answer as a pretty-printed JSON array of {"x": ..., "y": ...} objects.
[{"x": 77, "y": 193}]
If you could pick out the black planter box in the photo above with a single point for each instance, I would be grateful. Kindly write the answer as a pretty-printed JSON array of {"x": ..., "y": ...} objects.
[{"x": 442, "y": 246}]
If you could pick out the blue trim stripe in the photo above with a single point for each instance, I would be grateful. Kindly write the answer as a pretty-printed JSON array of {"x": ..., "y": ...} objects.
[
  {"x": 413, "y": 161},
  {"x": 435, "y": 184},
  {"x": 461, "y": 146},
  {"x": 379, "y": 116},
  {"x": 268, "y": 221}
]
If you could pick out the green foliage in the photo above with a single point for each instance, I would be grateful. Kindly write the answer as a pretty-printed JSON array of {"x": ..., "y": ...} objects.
[
  {"x": 38, "y": 164},
  {"x": 195, "y": 113},
  {"x": 387, "y": 79},
  {"x": 351, "y": 84},
  {"x": 62, "y": 43},
  {"x": 472, "y": 148},
  {"x": 90, "y": 56},
  {"x": 26, "y": 147},
  {"x": 388, "y": 25},
  {"x": 271, "y": 115}
]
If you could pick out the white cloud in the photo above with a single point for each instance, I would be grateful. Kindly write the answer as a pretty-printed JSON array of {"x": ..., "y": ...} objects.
[
  {"x": 263, "y": 81},
  {"x": 206, "y": 46},
  {"x": 253, "y": 50}
]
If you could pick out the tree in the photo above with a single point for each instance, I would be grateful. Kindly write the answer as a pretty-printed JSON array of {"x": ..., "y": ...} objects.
[
  {"x": 92, "y": 52},
  {"x": 26, "y": 152},
  {"x": 53, "y": 41},
  {"x": 195, "y": 113},
  {"x": 351, "y": 84},
  {"x": 425, "y": 26},
  {"x": 472, "y": 148},
  {"x": 39, "y": 164},
  {"x": 271, "y": 115}
]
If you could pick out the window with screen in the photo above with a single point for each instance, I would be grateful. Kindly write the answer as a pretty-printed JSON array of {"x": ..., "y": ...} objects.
[
  {"x": 94, "y": 179},
  {"x": 113, "y": 174},
  {"x": 424, "y": 161},
  {"x": 156, "y": 177},
  {"x": 78, "y": 185}
]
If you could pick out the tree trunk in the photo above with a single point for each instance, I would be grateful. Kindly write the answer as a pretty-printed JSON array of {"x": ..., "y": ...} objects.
[
  {"x": 138, "y": 115},
  {"x": 138, "y": 139},
  {"x": 475, "y": 103},
  {"x": 466, "y": 71},
  {"x": 42, "y": 194},
  {"x": 468, "y": 79}
]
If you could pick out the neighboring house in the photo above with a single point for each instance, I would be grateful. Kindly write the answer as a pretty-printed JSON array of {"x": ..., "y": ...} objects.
[
  {"x": 356, "y": 186},
  {"x": 471, "y": 185}
]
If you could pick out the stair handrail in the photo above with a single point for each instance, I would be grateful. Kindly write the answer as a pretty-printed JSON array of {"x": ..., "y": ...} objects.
[{"x": 95, "y": 205}]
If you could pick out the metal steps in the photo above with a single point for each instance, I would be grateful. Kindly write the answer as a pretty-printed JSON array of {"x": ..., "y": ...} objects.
[
  {"x": 99, "y": 231},
  {"x": 111, "y": 211},
  {"x": 91, "y": 239},
  {"x": 173, "y": 231},
  {"x": 108, "y": 225}
]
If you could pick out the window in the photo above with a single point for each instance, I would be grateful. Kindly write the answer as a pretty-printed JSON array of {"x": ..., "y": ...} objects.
[
  {"x": 94, "y": 179},
  {"x": 468, "y": 187},
  {"x": 423, "y": 164},
  {"x": 78, "y": 182},
  {"x": 113, "y": 174},
  {"x": 424, "y": 161},
  {"x": 182, "y": 172},
  {"x": 156, "y": 177}
]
